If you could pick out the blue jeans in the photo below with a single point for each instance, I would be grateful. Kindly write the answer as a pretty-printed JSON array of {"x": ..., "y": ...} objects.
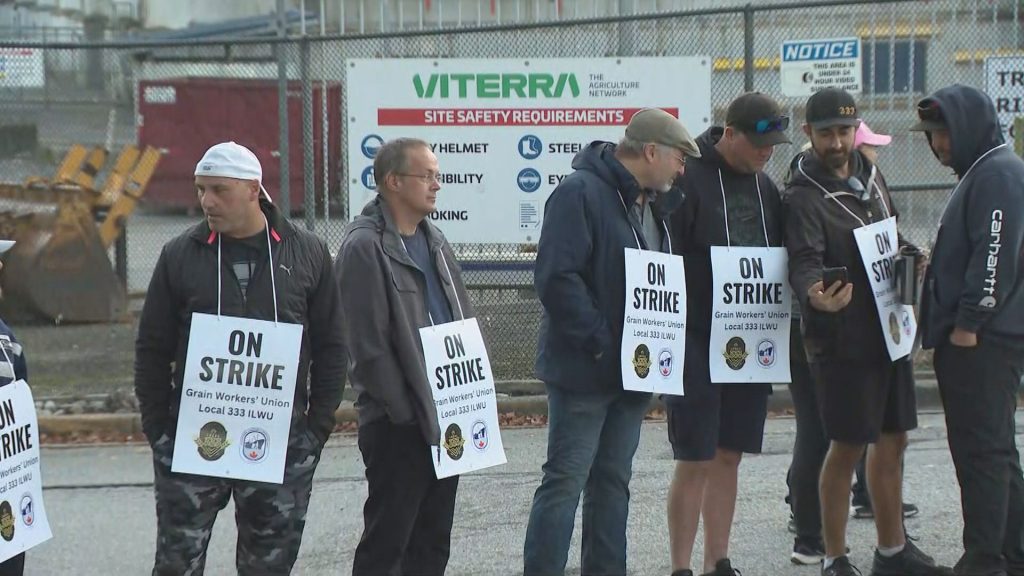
[{"x": 591, "y": 442}]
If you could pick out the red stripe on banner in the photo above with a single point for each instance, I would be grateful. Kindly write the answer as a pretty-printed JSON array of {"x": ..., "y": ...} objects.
[
  {"x": 426, "y": 5},
  {"x": 508, "y": 116},
  {"x": 494, "y": 8}
]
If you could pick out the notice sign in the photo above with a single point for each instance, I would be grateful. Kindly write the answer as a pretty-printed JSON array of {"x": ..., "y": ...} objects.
[
  {"x": 750, "y": 315},
  {"x": 809, "y": 66},
  {"x": 654, "y": 326},
  {"x": 878, "y": 245},
  {"x": 463, "y": 387},
  {"x": 23, "y": 522},
  {"x": 1004, "y": 83},
  {"x": 236, "y": 398},
  {"x": 22, "y": 68},
  {"x": 505, "y": 131}
]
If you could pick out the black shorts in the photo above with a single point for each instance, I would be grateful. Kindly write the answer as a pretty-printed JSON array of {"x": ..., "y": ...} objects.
[
  {"x": 712, "y": 416},
  {"x": 860, "y": 399}
]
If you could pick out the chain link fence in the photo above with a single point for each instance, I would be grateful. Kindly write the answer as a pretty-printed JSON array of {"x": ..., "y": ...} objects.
[{"x": 112, "y": 95}]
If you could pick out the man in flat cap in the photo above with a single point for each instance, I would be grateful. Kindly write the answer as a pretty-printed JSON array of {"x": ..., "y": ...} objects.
[
  {"x": 618, "y": 199},
  {"x": 972, "y": 314},
  {"x": 730, "y": 202}
]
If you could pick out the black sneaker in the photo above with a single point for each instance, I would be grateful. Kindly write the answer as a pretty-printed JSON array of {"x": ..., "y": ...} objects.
[
  {"x": 807, "y": 552},
  {"x": 864, "y": 511},
  {"x": 911, "y": 561},
  {"x": 723, "y": 568},
  {"x": 841, "y": 567}
]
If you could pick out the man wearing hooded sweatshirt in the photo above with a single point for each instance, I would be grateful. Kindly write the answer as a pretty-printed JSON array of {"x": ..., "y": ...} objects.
[
  {"x": 972, "y": 312},
  {"x": 244, "y": 263},
  {"x": 730, "y": 201},
  {"x": 864, "y": 397},
  {"x": 618, "y": 197},
  {"x": 398, "y": 274}
]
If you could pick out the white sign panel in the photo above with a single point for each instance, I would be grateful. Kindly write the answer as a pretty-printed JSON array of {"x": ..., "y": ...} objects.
[
  {"x": 654, "y": 327},
  {"x": 459, "y": 372},
  {"x": 23, "y": 522},
  {"x": 22, "y": 68},
  {"x": 1004, "y": 83},
  {"x": 809, "y": 66},
  {"x": 878, "y": 245},
  {"x": 236, "y": 398},
  {"x": 751, "y": 306},
  {"x": 505, "y": 131}
]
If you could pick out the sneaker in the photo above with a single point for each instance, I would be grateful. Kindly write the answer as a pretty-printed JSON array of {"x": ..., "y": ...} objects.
[
  {"x": 683, "y": 572},
  {"x": 910, "y": 510},
  {"x": 841, "y": 567},
  {"x": 807, "y": 552},
  {"x": 911, "y": 561},
  {"x": 864, "y": 511},
  {"x": 723, "y": 568}
]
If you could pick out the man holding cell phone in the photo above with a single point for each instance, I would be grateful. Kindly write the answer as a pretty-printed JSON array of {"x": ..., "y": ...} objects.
[{"x": 864, "y": 397}]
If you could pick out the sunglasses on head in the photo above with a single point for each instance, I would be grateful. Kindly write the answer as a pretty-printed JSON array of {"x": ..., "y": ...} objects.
[{"x": 767, "y": 125}]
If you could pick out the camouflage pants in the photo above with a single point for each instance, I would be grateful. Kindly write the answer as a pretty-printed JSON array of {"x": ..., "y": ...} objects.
[{"x": 270, "y": 517}]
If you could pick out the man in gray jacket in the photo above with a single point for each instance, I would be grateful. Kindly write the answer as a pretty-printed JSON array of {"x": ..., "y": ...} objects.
[{"x": 398, "y": 274}]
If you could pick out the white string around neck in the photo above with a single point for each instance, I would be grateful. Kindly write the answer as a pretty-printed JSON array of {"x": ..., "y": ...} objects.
[
  {"x": 871, "y": 184},
  {"x": 270, "y": 257},
  {"x": 725, "y": 209},
  {"x": 451, "y": 279},
  {"x": 639, "y": 246}
]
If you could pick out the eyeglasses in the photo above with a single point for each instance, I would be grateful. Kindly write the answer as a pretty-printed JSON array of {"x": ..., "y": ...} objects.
[
  {"x": 767, "y": 125},
  {"x": 428, "y": 178}
]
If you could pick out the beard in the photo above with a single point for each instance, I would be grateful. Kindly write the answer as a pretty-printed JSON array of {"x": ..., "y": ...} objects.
[{"x": 835, "y": 159}]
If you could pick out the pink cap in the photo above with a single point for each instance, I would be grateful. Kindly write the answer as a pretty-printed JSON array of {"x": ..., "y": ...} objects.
[{"x": 866, "y": 136}]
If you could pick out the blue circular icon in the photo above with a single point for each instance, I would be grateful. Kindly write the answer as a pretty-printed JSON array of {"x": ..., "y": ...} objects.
[
  {"x": 528, "y": 180},
  {"x": 367, "y": 178},
  {"x": 530, "y": 147},
  {"x": 371, "y": 144}
]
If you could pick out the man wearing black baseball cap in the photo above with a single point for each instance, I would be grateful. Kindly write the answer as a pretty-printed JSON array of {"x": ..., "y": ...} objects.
[
  {"x": 730, "y": 201},
  {"x": 864, "y": 397},
  {"x": 972, "y": 314}
]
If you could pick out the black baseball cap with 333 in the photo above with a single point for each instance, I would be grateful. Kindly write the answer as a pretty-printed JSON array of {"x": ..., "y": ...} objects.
[{"x": 832, "y": 107}]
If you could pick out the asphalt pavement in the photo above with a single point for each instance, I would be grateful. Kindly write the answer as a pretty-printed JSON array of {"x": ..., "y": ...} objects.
[{"x": 101, "y": 507}]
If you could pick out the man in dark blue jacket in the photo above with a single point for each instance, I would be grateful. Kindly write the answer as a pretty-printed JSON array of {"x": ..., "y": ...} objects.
[
  {"x": 973, "y": 316},
  {"x": 617, "y": 197}
]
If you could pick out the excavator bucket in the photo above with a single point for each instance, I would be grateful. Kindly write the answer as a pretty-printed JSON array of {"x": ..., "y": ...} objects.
[{"x": 59, "y": 270}]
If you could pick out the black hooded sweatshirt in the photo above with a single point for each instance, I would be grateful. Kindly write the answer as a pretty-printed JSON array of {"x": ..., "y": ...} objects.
[
  {"x": 974, "y": 280},
  {"x": 821, "y": 213},
  {"x": 700, "y": 223}
]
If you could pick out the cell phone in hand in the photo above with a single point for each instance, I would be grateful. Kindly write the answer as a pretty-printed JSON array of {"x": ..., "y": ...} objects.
[{"x": 830, "y": 276}]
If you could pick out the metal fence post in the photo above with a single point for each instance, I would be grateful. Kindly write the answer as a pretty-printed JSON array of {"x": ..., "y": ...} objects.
[
  {"x": 284, "y": 200},
  {"x": 308, "y": 180},
  {"x": 748, "y": 48}
]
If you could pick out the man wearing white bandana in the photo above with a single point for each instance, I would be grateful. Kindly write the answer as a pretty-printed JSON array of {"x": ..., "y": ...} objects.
[{"x": 243, "y": 262}]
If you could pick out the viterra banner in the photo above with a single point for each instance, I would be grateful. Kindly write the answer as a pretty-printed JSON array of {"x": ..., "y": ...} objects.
[{"x": 505, "y": 131}]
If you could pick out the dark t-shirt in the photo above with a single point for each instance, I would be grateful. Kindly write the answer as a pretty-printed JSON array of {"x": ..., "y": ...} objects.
[
  {"x": 243, "y": 255},
  {"x": 437, "y": 302}
]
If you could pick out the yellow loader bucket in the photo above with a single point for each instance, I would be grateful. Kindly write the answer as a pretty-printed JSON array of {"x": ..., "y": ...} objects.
[{"x": 59, "y": 271}]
